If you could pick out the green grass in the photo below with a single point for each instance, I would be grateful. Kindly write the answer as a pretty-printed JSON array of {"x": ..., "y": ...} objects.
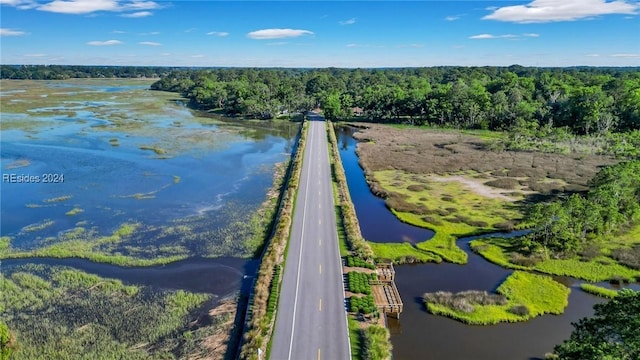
[
  {"x": 600, "y": 268},
  {"x": 599, "y": 290},
  {"x": 537, "y": 294},
  {"x": 401, "y": 253},
  {"x": 448, "y": 208},
  {"x": 74, "y": 211},
  {"x": 355, "y": 338}
]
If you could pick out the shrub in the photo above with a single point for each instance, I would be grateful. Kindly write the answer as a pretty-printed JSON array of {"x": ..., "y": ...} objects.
[
  {"x": 355, "y": 261},
  {"x": 504, "y": 183},
  {"x": 415, "y": 188},
  {"x": 464, "y": 301},
  {"x": 521, "y": 310},
  {"x": 364, "y": 305},
  {"x": 359, "y": 282},
  {"x": 628, "y": 257}
]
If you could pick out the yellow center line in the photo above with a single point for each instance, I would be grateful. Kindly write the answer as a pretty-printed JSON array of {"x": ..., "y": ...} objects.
[
  {"x": 320, "y": 270},
  {"x": 318, "y": 353},
  {"x": 320, "y": 305}
]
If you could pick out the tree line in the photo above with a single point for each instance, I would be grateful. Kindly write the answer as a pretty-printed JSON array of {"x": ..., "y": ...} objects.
[
  {"x": 583, "y": 100},
  {"x": 586, "y": 101},
  {"x": 64, "y": 72}
]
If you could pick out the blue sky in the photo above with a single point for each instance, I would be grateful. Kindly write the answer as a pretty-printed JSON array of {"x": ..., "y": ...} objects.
[{"x": 321, "y": 33}]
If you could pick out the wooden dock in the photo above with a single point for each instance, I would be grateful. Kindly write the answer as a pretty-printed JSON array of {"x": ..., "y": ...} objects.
[{"x": 384, "y": 290}]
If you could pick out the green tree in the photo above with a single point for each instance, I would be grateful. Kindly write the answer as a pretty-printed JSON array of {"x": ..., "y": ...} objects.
[
  {"x": 612, "y": 333},
  {"x": 7, "y": 342}
]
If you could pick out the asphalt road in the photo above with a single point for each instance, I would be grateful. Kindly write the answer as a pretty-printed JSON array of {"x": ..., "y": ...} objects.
[{"x": 311, "y": 319}]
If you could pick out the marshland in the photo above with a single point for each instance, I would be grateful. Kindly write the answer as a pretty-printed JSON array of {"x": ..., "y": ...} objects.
[{"x": 153, "y": 229}]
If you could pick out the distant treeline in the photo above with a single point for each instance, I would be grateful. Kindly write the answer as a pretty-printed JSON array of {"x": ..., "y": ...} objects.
[
  {"x": 62, "y": 72},
  {"x": 582, "y": 100}
]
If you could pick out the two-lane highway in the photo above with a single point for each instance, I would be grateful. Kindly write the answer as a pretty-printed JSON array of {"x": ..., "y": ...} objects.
[{"x": 311, "y": 320}]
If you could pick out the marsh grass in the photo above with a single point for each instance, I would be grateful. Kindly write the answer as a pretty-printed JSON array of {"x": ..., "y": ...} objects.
[
  {"x": 86, "y": 244},
  {"x": 376, "y": 344},
  {"x": 394, "y": 159},
  {"x": 38, "y": 226},
  {"x": 599, "y": 290},
  {"x": 74, "y": 211},
  {"x": 520, "y": 297},
  {"x": 57, "y": 199},
  {"x": 156, "y": 149},
  {"x": 61, "y": 312},
  {"x": 451, "y": 211},
  {"x": 501, "y": 251}
]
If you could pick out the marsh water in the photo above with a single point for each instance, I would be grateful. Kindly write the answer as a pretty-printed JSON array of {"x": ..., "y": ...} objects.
[
  {"x": 420, "y": 335},
  {"x": 123, "y": 154}
]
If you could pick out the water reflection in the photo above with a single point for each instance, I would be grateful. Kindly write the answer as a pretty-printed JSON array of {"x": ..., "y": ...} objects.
[{"x": 377, "y": 223}]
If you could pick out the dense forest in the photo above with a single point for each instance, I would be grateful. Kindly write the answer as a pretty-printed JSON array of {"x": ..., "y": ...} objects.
[{"x": 584, "y": 100}]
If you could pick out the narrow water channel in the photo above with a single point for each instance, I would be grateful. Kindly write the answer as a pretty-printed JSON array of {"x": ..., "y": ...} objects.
[{"x": 420, "y": 335}]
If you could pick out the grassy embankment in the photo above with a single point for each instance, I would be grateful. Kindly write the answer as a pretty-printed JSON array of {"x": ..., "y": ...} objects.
[
  {"x": 521, "y": 296},
  {"x": 368, "y": 340},
  {"x": 58, "y": 312},
  {"x": 260, "y": 321},
  {"x": 599, "y": 291},
  {"x": 602, "y": 266}
]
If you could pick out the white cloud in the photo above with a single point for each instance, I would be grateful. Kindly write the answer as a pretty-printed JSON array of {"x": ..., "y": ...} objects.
[
  {"x": 452, "y": 18},
  {"x": 150, "y": 43},
  {"x": 531, "y": 35},
  {"x": 11, "y": 32},
  {"x": 20, "y": 4},
  {"x": 348, "y": 22},
  {"x": 218, "y": 33},
  {"x": 541, "y": 11},
  {"x": 277, "y": 33},
  {"x": 490, "y": 36},
  {"x": 592, "y": 55},
  {"x": 79, "y": 6},
  {"x": 34, "y": 55},
  {"x": 626, "y": 55},
  {"x": 198, "y": 56},
  {"x": 90, "y": 6},
  {"x": 104, "y": 43},
  {"x": 278, "y": 43},
  {"x": 118, "y": 32},
  {"x": 138, "y": 14}
]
